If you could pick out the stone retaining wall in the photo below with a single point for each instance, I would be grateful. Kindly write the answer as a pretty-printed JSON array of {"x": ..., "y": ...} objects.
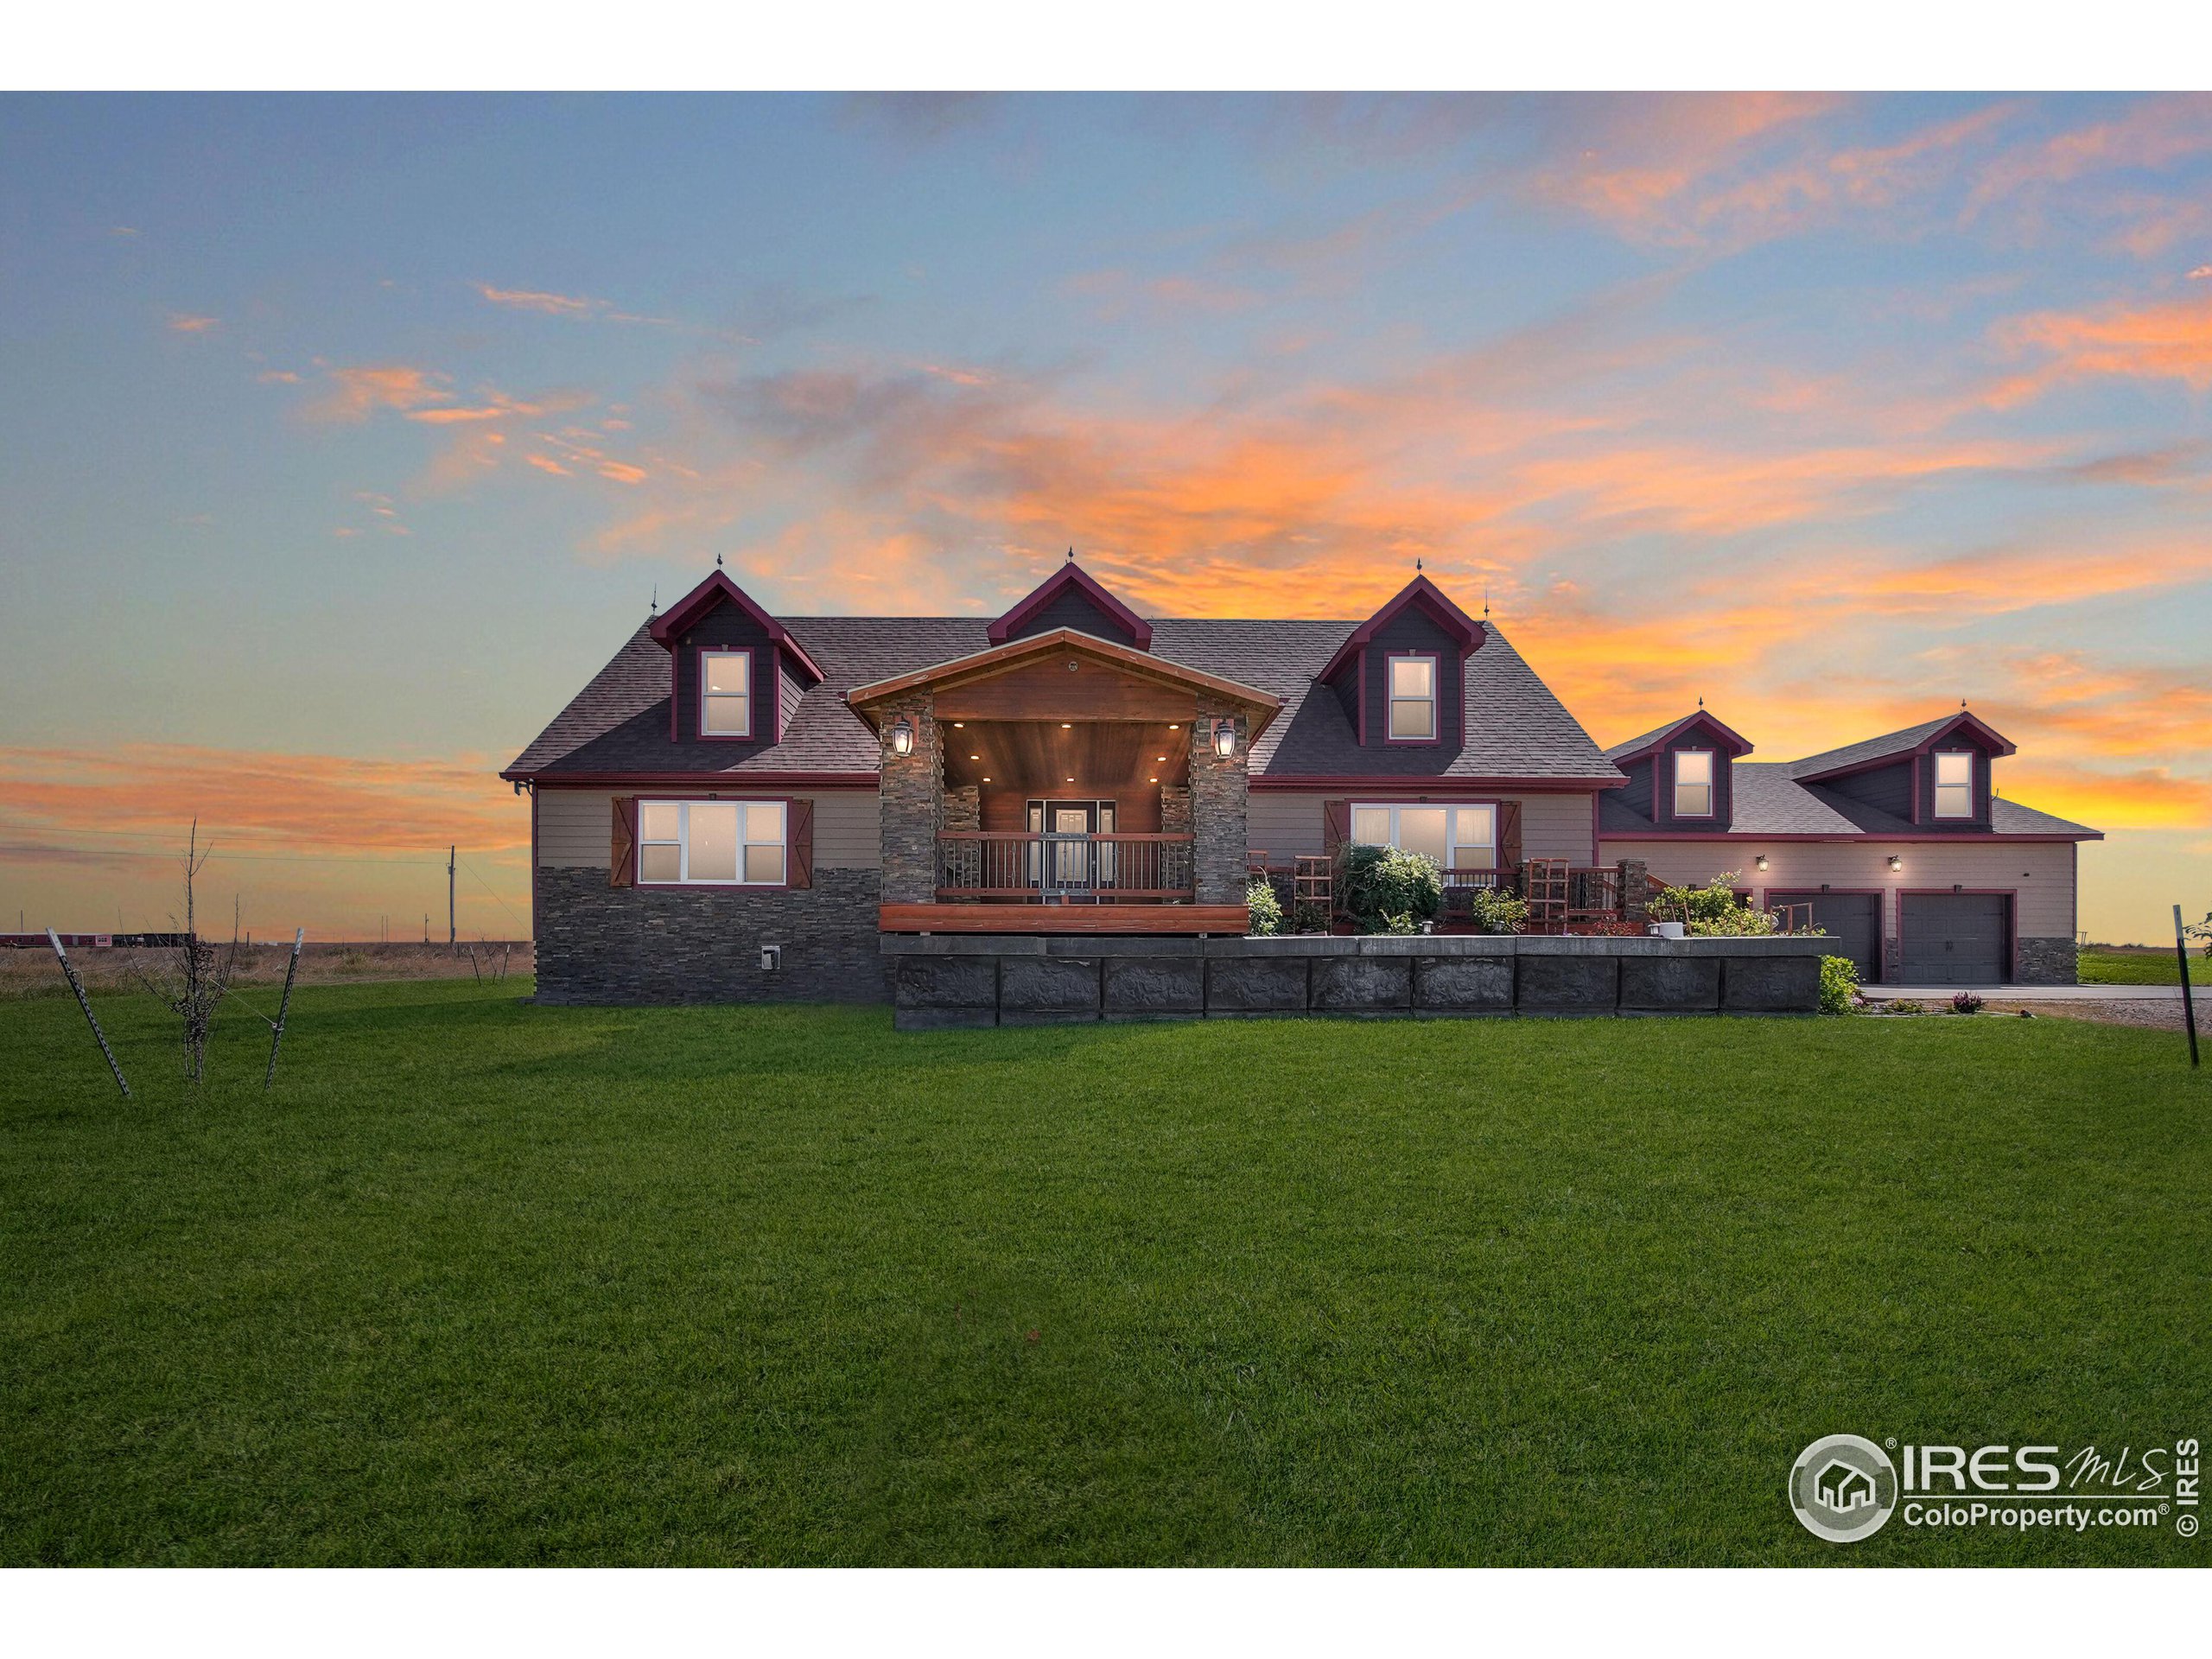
[{"x": 948, "y": 980}]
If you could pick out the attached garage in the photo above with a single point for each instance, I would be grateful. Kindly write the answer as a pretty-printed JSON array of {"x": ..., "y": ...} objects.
[
  {"x": 1954, "y": 938},
  {"x": 1854, "y": 920}
]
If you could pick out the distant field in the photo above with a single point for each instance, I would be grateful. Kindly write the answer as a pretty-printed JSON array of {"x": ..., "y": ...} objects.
[
  {"x": 2139, "y": 967},
  {"x": 483, "y": 1283},
  {"x": 34, "y": 973}
]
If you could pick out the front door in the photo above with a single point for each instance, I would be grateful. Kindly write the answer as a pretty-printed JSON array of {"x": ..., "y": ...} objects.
[{"x": 1067, "y": 863}]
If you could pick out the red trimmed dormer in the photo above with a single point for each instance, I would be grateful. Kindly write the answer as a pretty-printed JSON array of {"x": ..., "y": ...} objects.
[
  {"x": 735, "y": 673},
  {"x": 1935, "y": 776},
  {"x": 1681, "y": 776},
  {"x": 1070, "y": 598},
  {"x": 1402, "y": 674}
]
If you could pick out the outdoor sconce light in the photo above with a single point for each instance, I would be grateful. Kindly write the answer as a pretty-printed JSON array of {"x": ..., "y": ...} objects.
[
  {"x": 1225, "y": 738},
  {"x": 1896, "y": 863},
  {"x": 902, "y": 738},
  {"x": 1761, "y": 861}
]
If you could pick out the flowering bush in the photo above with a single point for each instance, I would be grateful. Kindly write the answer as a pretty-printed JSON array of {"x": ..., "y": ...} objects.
[
  {"x": 1965, "y": 1002},
  {"x": 1264, "y": 907},
  {"x": 1489, "y": 911},
  {"x": 1381, "y": 885},
  {"x": 1711, "y": 911}
]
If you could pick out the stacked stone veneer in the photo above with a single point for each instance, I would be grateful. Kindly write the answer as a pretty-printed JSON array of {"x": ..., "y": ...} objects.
[
  {"x": 913, "y": 801},
  {"x": 2044, "y": 962},
  {"x": 1220, "y": 808},
  {"x": 951, "y": 981},
  {"x": 597, "y": 944}
]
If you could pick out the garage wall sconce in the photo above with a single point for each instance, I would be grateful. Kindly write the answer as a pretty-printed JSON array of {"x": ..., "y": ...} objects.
[
  {"x": 1761, "y": 863},
  {"x": 1896, "y": 864}
]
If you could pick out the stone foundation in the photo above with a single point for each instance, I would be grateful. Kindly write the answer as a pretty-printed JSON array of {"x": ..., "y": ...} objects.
[
  {"x": 2044, "y": 962},
  {"x": 597, "y": 944},
  {"x": 958, "y": 980}
]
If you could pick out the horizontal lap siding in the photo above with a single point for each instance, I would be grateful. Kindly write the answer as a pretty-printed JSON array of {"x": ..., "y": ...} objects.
[
  {"x": 575, "y": 827},
  {"x": 1289, "y": 825},
  {"x": 2042, "y": 873}
]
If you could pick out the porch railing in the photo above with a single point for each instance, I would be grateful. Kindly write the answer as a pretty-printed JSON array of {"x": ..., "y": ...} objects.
[{"x": 1063, "y": 868}]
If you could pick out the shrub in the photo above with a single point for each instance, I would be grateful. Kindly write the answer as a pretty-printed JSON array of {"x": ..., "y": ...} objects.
[
  {"x": 1377, "y": 883},
  {"x": 1838, "y": 984},
  {"x": 1264, "y": 907},
  {"x": 1309, "y": 916},
  {"x": 1711, "y": 911},
  {"x": 1965, "y": 1002},
  {"x": 1489, "y": 911},
  {"x": 1906, "y": 1005}
]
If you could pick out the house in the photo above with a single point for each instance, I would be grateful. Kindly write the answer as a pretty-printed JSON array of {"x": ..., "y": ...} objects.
[
  {"x": 1901, "y": 848},
  {"x": 739, "y": 805},
  {"x": 1843, "y": 1488}
]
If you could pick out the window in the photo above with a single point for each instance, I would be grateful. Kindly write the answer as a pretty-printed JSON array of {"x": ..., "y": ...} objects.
[
  {"x": 1457, "y": 837},
  {"x": 721, "y": 843},
  {"x": 1412, "y": 699},
  {"x": 1954, "y": 784},
  {"x": 726, "y": 693},
  {"x": 1694, "y": 783}
]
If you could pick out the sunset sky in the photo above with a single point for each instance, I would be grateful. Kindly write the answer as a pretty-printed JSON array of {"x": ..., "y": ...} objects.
[{"x": 341, "y": 439}]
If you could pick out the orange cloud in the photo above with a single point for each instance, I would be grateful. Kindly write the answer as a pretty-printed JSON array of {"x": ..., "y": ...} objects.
[
  {"x": 552, "y": 305},
  {"x": 2151, "y": 135},
  {"x": 355, "y": 394},
  {"x": 2168, "y": 341},
  {"x": 547, "y": 464},
  {"x": 183, "y": 323}
]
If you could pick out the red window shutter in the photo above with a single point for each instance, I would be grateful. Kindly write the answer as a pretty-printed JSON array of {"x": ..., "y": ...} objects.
[
  {"x": 799, "y": 855},
  {"x": 1336, "y": 826},
  {"x": 1508, "y": 835},
  {"x": 622, "y": 855}
]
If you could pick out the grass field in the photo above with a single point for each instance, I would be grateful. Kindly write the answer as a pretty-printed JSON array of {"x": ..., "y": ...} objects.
[
  {"x": 485, "y": 1283},
  {"x": 2141, "y": 968}
]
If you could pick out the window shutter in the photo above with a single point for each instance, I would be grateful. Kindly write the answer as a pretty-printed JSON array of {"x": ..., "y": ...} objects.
[
  {"x": 1508, "y": 835},
  {"x": 622, "y": 855},
  {"x": 798, "y": 856},
  {"x": 1336, "y": 826}
]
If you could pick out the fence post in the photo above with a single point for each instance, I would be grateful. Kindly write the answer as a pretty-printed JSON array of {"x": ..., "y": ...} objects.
[
  {"x": 283, "y": 1008},
  {"x": 2188, "y": 1001},
  {"x": 100, "y": 1037}
]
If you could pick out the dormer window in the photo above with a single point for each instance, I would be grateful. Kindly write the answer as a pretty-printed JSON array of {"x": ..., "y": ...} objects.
[
  {"x": 726, "y": 693},
  {"x": 1954, "y": 784},
  {"x": 1694, "y": 783},
  {"x": 1412, "y": 699}
]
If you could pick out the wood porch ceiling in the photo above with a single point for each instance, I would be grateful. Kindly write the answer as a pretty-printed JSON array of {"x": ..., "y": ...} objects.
[{"x": 1103, "y": 758}]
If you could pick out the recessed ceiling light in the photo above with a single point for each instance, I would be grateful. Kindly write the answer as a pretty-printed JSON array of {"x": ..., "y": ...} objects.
[
  {"x": 1070, "y": 780},
  {"x": 1174, "y": 728},
  {"x": 1152, "y": 780},
  {"x": 959, "y": 725},
  {"x": 1159, "y": 757},
  {"x": 987, "y": 780},
  {"x": 1067, "y": 725},
  {"x": 975, "y": 757}
]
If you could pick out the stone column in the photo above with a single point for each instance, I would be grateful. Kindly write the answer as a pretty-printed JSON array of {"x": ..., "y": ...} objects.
[
  {"x": 912, "y": 790},
  {"x": 1218, "y": 800},
  {"x": 1636, "y": 890}
]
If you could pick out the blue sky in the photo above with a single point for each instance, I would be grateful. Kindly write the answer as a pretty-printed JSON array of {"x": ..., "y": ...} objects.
[{"x": 344, "y": 437}]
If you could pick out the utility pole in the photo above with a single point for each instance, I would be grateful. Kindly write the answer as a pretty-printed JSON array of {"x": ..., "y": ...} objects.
[{"x": 452, "y": 934}]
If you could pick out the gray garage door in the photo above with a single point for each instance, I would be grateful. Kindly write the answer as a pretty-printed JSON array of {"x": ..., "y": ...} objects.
[
  {"x": 1955, "y": 938},
  {"x": 1854, "y": 920}
]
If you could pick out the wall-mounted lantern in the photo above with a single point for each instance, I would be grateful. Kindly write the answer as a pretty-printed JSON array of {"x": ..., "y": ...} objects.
[
  {"x": 1896, "y": 863},
  {"x": 1761, "y": 863},
  {"x": 1225, "y": 738},
  {"x": 902, "y": 737}
]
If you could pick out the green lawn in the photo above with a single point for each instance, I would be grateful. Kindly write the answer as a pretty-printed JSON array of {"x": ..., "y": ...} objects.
[
  {"x": 485, "y": 1283},
  {"x": 2135, "y": 967}
]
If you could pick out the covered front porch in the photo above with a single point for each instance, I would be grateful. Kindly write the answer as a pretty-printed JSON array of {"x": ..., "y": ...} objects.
[{"x": 1064, "y": 783}]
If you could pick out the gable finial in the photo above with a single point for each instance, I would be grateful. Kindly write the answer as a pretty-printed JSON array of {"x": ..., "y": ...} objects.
[
  {"x": 718, "y": 560},
  {"x": 1416, "y": 564},
  {"x": 1071, "y": 558},
  {"x": 1701, "y": 701},
  {"x": 654, "y": 608},
  {"x": 1485, "y": 599}
]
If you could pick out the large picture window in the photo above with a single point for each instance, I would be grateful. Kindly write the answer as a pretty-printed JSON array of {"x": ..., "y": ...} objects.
[
  {"x": 726, "y": 693},
  {"x": 1457, "y": 837},
  {"x": 1954, "y": 784},
  {"x": 1412, "y": 699},
  {"x": 714, "y": 843},
  {"x": 1694, "y": 783}
]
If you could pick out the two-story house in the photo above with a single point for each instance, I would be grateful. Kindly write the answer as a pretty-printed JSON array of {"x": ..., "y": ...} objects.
[{"x": 738, "y": 805}]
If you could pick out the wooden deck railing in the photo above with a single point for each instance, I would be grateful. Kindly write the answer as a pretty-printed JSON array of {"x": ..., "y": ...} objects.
[{"x": 1048, "y": 866}]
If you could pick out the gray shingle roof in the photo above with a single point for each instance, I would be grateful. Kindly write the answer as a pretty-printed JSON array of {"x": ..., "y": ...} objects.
[
  {"x": 1517, "y": 728},
  {"x": 1872, "y": 748},
  {"x": 1769, "y": 801}
]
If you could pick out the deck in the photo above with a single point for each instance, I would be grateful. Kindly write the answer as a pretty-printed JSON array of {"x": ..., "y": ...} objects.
[{"x": 1065, "y": 918}]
